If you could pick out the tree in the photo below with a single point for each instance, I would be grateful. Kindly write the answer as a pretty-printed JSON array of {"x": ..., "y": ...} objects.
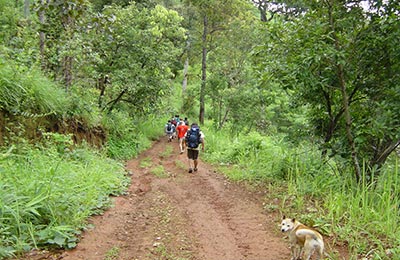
[
  {"x": 59, "y": 38},
  {"x": 232, "y": 88},
  {"x": 136, "y": 50},
  {"x": 379, "y": 77},
  {"x": 321, "y": 56},
  {"x": 215, "y": 17}
]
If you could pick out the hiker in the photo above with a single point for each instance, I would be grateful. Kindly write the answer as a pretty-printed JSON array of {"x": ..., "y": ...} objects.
[
  {"x": 186, "y": 121},
  {"x": 177, "y": 119},
  {"x": 169, "y": 130},
  {"x": 193, "y": 138},
  {"x": 175, "y": 123},
  {"x": 182, "y": 129}
]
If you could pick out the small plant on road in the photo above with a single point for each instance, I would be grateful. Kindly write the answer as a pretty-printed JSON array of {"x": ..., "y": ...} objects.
[
  {"x": 112, "y": 254},
  {"x": 159, "y": 171}
]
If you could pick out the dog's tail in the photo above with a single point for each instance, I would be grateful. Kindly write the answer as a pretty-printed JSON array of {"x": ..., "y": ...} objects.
[{"x": 308, "y": 232}]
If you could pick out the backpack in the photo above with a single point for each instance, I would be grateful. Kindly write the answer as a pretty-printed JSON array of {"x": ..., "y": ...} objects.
[
  {"x": 169, "y": 127},
  {"x": 193, "y": 137}
]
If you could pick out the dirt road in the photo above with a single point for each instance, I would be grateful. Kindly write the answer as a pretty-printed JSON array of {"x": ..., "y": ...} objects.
[{"x": 171, "y": 214}]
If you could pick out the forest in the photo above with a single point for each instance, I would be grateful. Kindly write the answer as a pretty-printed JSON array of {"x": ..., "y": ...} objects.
[{"x": 301, "y": 96}]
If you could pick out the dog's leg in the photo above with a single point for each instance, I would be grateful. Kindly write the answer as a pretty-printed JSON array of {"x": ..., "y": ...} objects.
[
  {"x": 301, "y": 251},
  {"x": 320, "y": 253},
  {"x": 295, "y": 252},
  {"x": 308, "y": 252}
]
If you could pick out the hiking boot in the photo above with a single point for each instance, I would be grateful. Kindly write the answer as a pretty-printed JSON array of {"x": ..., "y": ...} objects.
[
  {"x": 190, "y": 170},
  {"x": 195, "y": 169}
]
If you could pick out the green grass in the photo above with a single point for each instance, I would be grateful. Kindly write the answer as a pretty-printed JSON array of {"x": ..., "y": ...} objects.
[
  {"x": 46, "y": 196},
  {"x": 27, "y": 92},
  {"x": 180, "y": 164},
  {"x": 370, "y": 209},
  {"x": 159, "y": 171},
  {"x": 145, "y": 163},
  {"x": 167, "y": 151},
  {"x": 112, "y": 254}
]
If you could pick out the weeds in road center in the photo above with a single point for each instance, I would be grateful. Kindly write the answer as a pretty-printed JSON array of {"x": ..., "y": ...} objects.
[{"x": 112, "y": 254}]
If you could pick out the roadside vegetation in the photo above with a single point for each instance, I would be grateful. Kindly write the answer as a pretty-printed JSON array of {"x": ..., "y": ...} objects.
[
  {"x": 323, "y": 194},
  {"x": 305, "y": 106},
  {"x": 47, "y": 195}
]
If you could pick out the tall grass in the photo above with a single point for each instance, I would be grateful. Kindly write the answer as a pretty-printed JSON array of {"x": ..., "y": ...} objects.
[
  {"x": 46, "y": 196},
  {"x": 25, "y": 91},
  {"x": 321, "y": 193},
  {"x": 366, "y": 214}
]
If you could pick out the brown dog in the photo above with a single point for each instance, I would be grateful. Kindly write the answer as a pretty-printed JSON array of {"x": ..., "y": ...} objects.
[{"x": 302, "y": 238}]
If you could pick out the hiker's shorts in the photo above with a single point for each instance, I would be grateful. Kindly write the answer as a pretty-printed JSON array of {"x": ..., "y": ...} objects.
[{"x": 193, "y": 154}]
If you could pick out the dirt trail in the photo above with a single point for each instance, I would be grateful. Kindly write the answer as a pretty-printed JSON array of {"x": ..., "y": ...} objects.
[{"x": 171, "y": 214}]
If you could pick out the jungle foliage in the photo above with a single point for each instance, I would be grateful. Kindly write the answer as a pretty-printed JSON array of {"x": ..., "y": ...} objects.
[{"x": 302, "y": 91}]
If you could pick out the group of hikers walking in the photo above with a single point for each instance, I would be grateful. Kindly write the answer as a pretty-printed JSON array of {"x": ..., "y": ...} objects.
[{"x": 189, "y": 138}]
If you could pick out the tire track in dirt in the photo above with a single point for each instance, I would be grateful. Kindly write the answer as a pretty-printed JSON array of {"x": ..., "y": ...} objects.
[{"x": 199, "y": 216}]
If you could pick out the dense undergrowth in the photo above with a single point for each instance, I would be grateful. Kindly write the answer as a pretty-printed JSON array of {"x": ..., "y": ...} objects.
[{"x": 320, "y": 193}]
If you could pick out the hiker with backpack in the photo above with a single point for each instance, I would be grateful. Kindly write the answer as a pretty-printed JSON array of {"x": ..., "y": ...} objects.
[
  {"x": 169, "y": 130},
  {"x": 181, "y": 129},
  {"x": 193, "y": 138},
  {"x": 175, "y": 122}
]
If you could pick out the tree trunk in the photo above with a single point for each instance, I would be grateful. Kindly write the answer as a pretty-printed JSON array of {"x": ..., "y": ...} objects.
[
  {"x": 26, "y": 9},
  {"x": 263, "y": 11},
  {"x": 185, "y": 76},
  {"x": 68, "y": 59},
  {"x": 224, "y": 119},
  {"x": 186, "y": 67},
  {"x": 203, "y": 70},
  {"x": 345, "y": 98},
  {"x": 101, "y": 84},
  {"x": 42, "y": 37},
  {"x": 383, "y": 153},
  {"x": 115, "y": 101},
  {"x": 67, "y": 70},
  {"x": 350, "y": 138},
  {"x": 333, "y": 122}
]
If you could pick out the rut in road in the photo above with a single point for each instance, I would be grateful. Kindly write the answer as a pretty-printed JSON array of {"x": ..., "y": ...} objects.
[{"x": 171, "y": 214}]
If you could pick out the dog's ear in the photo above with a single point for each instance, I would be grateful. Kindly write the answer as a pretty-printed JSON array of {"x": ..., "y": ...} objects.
[
  {"x": 284, "y": 217},
  {"x": 294, "y": 220}
]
